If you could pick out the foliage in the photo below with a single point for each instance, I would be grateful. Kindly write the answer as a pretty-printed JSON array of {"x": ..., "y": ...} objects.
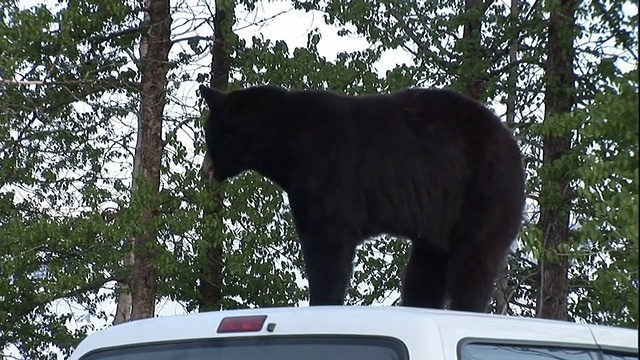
[
  {"x": 68, "y": 102},
  {"x": 607, "y": 206},
  {"x": 55, "y": 241}
]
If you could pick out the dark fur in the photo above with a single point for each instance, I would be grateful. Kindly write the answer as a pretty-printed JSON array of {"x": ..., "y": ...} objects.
[{"x": 432, "y": 166}]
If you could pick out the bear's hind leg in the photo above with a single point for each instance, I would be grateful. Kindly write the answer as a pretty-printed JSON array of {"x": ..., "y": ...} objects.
[
  {"x": 328, "y": 266},
  {"x": 473, "y": 268},
  {"x": 424, "y": 277},
  {"x": 489, "y": 222}
]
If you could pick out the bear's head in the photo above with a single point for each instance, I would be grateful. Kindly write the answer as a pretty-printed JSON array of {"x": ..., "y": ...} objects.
[{"x": 246, "y": 130}]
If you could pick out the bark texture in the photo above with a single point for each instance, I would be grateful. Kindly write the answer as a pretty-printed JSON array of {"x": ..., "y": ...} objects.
[
  {"x": 146, "y": 174},
  {"x": 212, "y": 274},
  {"x": 474, "y": 76},
  {"x": 553, "y": 283},
  {"x": 503, "y": 294}
]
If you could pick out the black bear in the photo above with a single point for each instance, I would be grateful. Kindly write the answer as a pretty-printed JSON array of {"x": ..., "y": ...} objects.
[{"x": 428, "y": 165}]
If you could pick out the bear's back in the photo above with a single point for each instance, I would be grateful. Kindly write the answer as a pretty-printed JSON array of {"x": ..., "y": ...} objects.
[
  {"x": 398, "y": 119},
  {"x": 432, "y": 106}
]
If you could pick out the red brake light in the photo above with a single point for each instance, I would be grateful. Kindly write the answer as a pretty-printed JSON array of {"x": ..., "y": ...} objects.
[{"x": 241, "y": 324}]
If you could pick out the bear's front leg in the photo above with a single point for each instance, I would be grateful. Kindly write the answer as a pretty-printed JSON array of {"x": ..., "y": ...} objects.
[{"x": 328, "y": 258}]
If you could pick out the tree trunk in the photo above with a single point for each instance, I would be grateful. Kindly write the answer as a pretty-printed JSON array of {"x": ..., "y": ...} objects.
[
  {"x": 553, "y": 283},
  {"x": 513, "y": 74},
  {"x": 146, "y": 172},
  {"x": 474, "y": 71},
  {"x": 124, "y": 302},
  {"x": 502, "y": 293},
  {"x": 212, "y": 271},
  {"x": 123, "y": 308}
]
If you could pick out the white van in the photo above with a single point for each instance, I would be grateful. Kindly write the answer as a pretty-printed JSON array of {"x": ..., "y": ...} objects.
[{"x": 356, "y": 333}]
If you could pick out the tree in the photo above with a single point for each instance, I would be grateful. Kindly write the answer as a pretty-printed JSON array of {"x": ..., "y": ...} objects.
[
  {"x": 154, "y": 51},
  {"x": 211, "y": 279},
  {"x": 607, "y": 204},
  {"x": 556, "y": 190},
  {"x": 58, "y": 243}
]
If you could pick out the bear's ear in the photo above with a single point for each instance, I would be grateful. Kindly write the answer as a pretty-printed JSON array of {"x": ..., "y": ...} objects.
[{"x": 211, "y": 96}]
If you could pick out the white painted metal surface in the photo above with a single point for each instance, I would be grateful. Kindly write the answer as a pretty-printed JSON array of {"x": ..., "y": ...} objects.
[{"x": 427, "y": 334}]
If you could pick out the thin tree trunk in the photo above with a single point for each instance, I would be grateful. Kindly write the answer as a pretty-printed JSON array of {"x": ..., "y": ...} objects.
[
  {"x": 502, "y": 293},
  {"x": 474, "y": 73},
  {"x": 221, "y": 60},
  {"x": 124, "y": 303},
  {"x": 212, "y": 272},
  {"x": 554, "y": 201},
  {"x": 513, "y": 75},
  {"x": 146, "y": 172},
  {"x": 123, "y": 308}
]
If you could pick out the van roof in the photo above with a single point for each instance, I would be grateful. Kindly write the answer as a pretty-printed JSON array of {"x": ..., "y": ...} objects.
[{"x": 396, "y": 321}]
